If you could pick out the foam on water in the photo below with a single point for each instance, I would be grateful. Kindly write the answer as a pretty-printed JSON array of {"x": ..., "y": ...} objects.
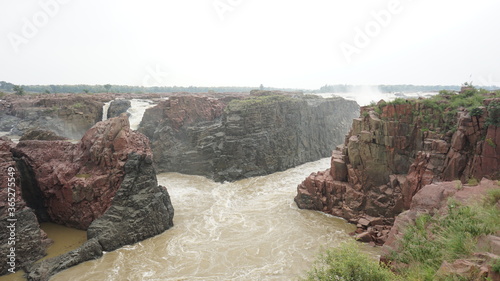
[
  {"x": 105, "y": 109},
  {"x": 136, "y": 111},
  {"x": 246, "y": 230}
]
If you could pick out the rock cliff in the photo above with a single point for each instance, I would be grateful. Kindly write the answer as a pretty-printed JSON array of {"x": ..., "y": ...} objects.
[
  {"x": 105, "y": 184},
  {"x": 24, "y": 234},
  {"x": 395, "y": 149},
  {"x": 67, "y": 115},
  {"x": 238, "y": 137}
]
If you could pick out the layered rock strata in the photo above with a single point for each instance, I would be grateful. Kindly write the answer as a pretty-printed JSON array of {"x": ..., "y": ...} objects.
[
  {"x": 20, "y": 228},
  {"x": 238, "y": 137},
  {"x": 67, "y": 115},
  {"x": 389, "y": 155},
  {"x": 105, "y": 184}
]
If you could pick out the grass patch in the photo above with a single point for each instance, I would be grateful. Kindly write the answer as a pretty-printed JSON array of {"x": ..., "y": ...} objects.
[
  {"x": 251, "y": 102},
  {"x": 83, "y": 176},
  {"x": 432, "y": 240},
  {"x": 348, "y": 263},
  {"x": 495, "y": 266},
  {"x": 472, "y": 181}
]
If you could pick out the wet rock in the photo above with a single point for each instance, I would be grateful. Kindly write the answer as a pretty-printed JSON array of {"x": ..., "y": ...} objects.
[
  {"x": 140, "y": 208},
  {"x": 43, "y": 270},
  {"x": 117, "y": 107}
]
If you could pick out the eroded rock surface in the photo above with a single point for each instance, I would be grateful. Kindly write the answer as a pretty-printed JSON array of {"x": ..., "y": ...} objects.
[
  {"x": 106, "y": 184},
  {"x": 389, "y": 156},
  {"x": 67, "y": 115},
  {"x": 238, "y": 137}
]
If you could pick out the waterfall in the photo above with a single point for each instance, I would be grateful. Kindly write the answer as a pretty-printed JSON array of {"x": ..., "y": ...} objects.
[
  {"x": 136, "y": 111},
  {"x": 105, "y": 108}
]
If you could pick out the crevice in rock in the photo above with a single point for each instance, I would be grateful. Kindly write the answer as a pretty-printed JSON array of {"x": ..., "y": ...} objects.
[{"x": 31, "y": 192}]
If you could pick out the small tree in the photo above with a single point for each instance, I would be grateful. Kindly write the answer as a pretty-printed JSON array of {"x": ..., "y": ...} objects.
[
  {"x": 18, "y": 90},
  {"x": 85, "y": 91},
  {"x": 107, "y": 87}
]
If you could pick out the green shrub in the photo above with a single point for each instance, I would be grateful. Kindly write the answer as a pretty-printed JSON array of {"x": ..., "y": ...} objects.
[
  {"x": 431, "y": 240},
  {"x": 493, "y": 196},
  {"x": 494, "y": 113},
  {"x": 495, "y": 266},
  {"x": 476, "y": 111},
  {"x": 472, "y": 181},
  {"x": 348, "y": 263}
]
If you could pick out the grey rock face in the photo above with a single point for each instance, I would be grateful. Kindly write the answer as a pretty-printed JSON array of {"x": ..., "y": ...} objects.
[
  {"x": 251, "y": 136},
  {"x": 118, "y": 107},
  {"x": 140, "y": 208}
]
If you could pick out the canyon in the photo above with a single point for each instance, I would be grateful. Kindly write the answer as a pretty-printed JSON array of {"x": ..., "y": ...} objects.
[{"x": 106, "y": 184}]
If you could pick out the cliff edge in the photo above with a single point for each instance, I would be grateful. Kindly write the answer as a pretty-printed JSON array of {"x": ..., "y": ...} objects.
[
  {"x": 238, "y": 137},
  {"x": 394, "y": 149}
]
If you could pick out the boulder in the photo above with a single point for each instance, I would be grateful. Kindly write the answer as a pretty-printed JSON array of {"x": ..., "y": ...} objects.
[{"x": 117, "y": 107}]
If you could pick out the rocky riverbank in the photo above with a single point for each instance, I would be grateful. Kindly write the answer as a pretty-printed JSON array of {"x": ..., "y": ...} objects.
[
  {"x": 394, "y": 149},
  {"x": 105, "y": 184}
]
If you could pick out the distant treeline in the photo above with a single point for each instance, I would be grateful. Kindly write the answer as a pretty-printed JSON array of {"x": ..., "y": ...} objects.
[
  {"x": 8, "y": 87},
  {"x": 390, "y": 88},
  {"x": 344, "y": 88}
]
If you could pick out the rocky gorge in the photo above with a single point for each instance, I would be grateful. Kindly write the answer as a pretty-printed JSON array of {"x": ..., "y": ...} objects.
[
  {"x": 231, "y": 138},
  {"x": 105, "y": 184}
]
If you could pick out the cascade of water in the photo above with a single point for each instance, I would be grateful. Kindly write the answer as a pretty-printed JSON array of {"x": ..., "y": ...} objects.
[
  {"x": 136, "y": 111},
  {"x": 105, "y": 109}
]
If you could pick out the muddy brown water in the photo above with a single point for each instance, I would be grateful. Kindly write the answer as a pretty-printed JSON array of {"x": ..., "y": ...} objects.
[{"x": 245, "y": 230}]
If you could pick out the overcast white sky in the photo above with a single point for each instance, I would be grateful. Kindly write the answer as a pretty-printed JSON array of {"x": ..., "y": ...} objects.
[{"x": 278, "y": 43}]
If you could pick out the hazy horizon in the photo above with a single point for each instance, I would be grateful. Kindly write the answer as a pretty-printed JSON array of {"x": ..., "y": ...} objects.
[{"x": 283, "y": 44}]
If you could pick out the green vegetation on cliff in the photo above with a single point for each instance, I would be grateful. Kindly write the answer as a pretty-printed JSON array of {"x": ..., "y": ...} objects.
[
  {"x": 440, "y": 111},
  {"x": 266, "y": 99},
  {"x": 424, "y": 246},
  {"x": 350, "y": 264},
  {"x": 435, "y": 239}
]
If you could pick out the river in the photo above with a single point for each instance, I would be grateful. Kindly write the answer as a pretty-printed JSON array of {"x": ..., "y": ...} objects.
[{"x": 245, "y": 230}]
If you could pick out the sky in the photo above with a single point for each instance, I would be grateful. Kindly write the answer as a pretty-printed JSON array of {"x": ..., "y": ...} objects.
[{"x": 277, "y": 43}]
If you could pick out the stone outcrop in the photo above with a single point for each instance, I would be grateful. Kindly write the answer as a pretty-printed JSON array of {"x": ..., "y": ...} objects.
[
  {"x": 105, "y": 184},
  {"x": 39, "y": 134},
  {"x": 30, "y": 241},
  {"x": 67, "y": 115},
  {"x": 118, "y": 107},
  {"x": 389, "y": 155},
  {"x": 238, "y": 137}
]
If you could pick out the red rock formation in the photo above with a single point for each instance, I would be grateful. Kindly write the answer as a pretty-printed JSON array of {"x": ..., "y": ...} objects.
[
  {"x": 78, "y": 181},
  {"x": 387, "y": 158},
  {"x": 29, "y": 241}
]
